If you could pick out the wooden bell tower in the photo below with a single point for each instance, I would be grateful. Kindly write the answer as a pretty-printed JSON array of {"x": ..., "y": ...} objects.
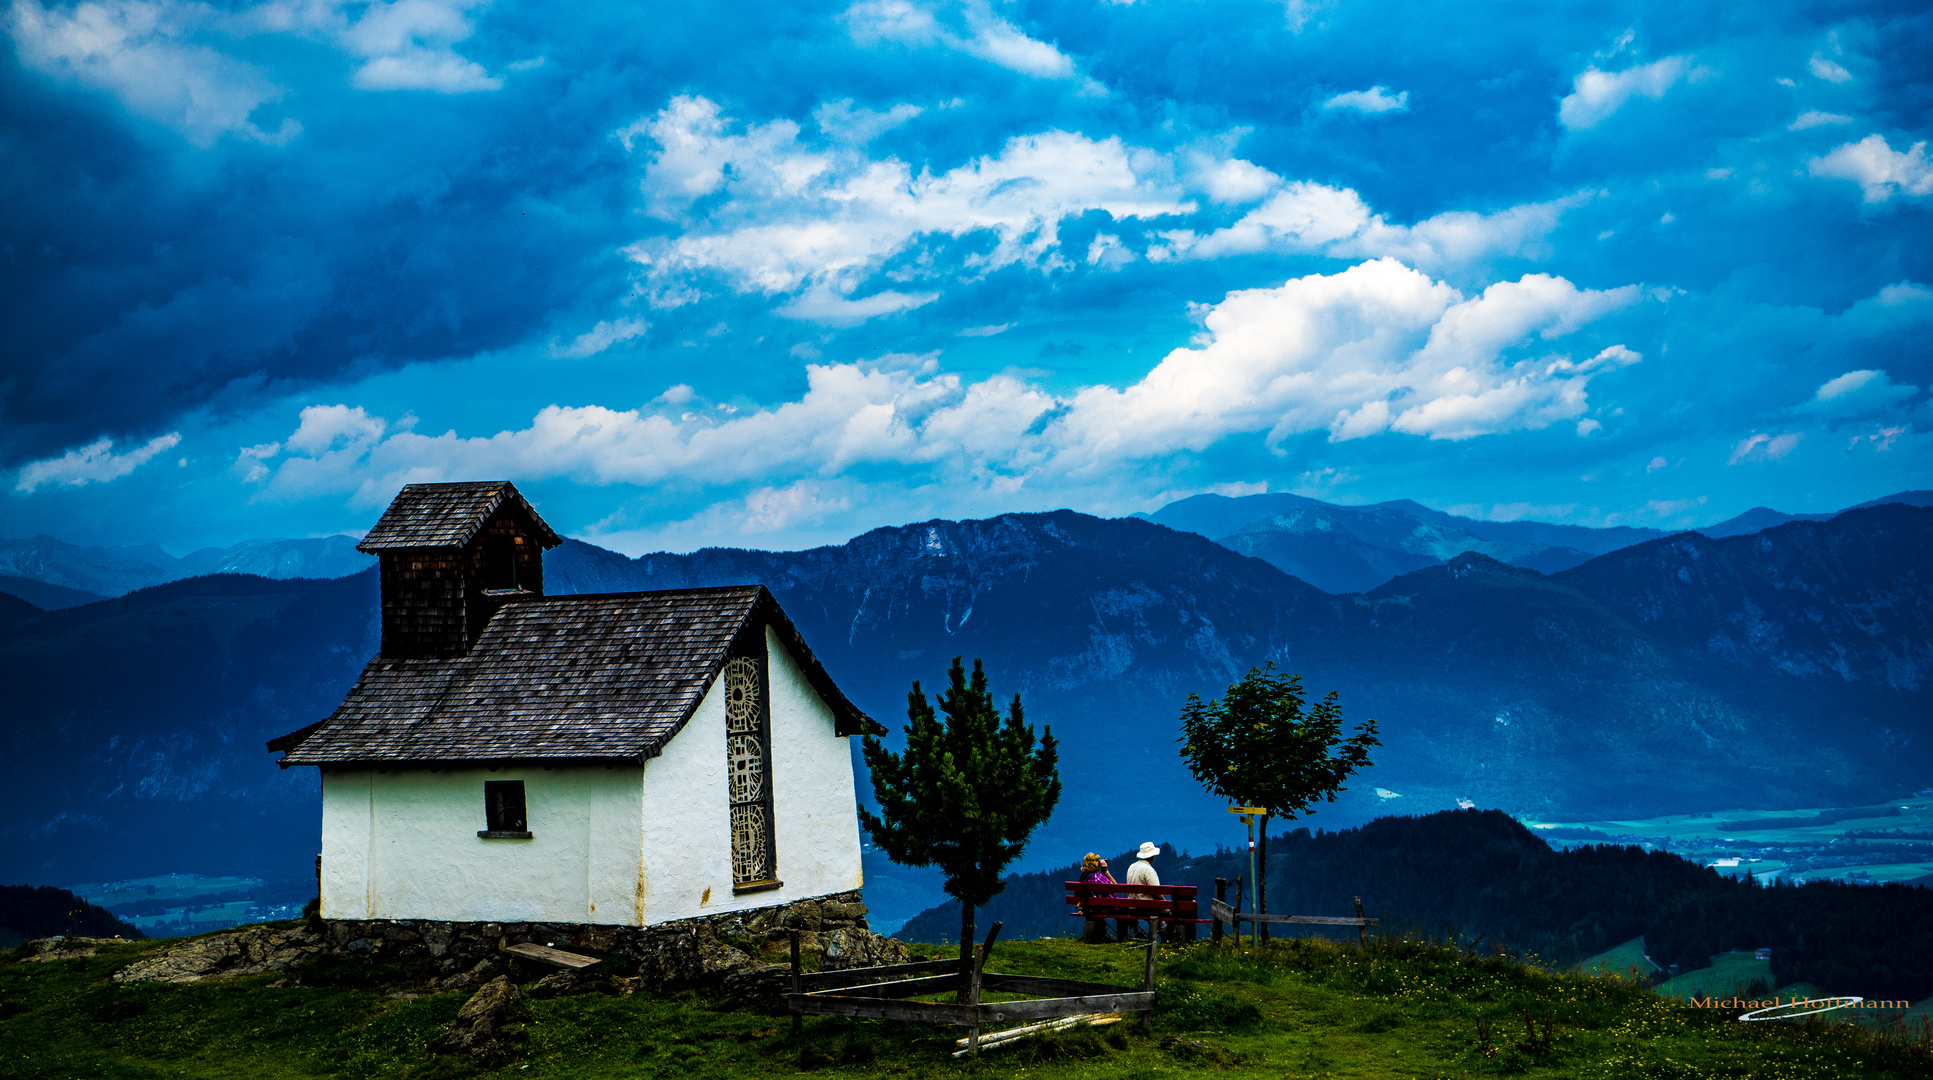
[{"x": 452, "y": 554}]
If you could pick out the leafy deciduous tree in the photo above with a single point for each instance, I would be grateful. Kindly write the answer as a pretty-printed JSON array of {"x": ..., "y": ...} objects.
[
  {"x": 1263, "y": 745},
  {"x": 966, "y": 793}
]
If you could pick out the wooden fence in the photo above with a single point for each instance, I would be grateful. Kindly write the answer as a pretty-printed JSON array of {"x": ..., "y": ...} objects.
[
  {"x": 1232, "y": 917},
  {"x": 857, "y": 992}
]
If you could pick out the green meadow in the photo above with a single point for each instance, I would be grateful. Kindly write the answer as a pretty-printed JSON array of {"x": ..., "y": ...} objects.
[{"x": 1301, "y": 1008}]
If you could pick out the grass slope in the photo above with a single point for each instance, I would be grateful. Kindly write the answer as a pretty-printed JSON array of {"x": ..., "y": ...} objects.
[{"x": 1305, "y": 1008}]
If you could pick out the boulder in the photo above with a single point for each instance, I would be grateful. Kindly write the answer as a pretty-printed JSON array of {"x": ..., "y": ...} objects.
[
  {"x": 48, "y": 949},
  {"x": 482, "y": 1027},
  {"x": 226, "y": 956},
  {"x": 852, "y": 947},
  {"x": 689, "y": 958},
  {"x": 758, "y": 981}
]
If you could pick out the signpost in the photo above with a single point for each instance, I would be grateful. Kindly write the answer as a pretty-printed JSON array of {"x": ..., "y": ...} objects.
[{"x": 1248, "y": 815}]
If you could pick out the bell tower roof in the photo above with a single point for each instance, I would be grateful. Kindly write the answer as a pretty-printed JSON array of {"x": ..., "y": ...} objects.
[{"x": 448, "y": 516}]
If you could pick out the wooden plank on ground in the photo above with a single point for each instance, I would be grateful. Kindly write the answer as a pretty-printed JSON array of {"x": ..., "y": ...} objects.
[
  {"x": 998, "y": 1039},
  {"x": 825, "y": 980},
  {"x": 922, "y": 1012},
  {"x": 554, "y": 957},
  {"x": 1042, "y": 1008}
]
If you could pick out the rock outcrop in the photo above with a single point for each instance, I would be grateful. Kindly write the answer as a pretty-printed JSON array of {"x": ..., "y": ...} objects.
[
  {"x": 225, "y": 956},
  {"x": 483, "y": 1027},
  {"x": 47, "y": 949}
]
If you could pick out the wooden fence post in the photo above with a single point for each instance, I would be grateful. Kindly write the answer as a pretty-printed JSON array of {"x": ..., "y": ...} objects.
[
  {"x": 973, "y": 990},
  {"x": 1147, "y": 982},
  {"x": 1221, "y": 893},
  {"x": 798, "y": 1018},
  {"x": 1362, "y": 932}
]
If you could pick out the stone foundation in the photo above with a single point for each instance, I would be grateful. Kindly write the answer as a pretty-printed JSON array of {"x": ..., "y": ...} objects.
[{"x": 717, "y": 950}]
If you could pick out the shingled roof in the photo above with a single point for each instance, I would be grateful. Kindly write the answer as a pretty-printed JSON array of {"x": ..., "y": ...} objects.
[
  {"x": 573, "y": 677},
  {"x": 446, "y": 515}
]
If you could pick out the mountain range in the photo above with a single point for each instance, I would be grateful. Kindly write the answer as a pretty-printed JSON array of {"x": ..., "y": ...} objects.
[
  {"x": 1347, "y": 549},
  {"x": 1337, "y": 549},
  {"x": 51, "y": 574},
  {"x": 1787, "y": 667}
]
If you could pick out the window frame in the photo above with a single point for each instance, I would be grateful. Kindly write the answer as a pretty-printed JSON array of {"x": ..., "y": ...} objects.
[
  {"x": 497, "y": 824},
  {"x": 752, "y": 647}
]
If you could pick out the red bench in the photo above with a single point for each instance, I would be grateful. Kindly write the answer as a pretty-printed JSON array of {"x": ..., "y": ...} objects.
[{"x": 1173, "y": 905}]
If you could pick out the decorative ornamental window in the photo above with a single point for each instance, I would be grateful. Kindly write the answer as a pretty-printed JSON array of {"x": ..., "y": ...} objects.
[
  {"x": 503, "y": 811},
  {"x": 749, "y": 758}
]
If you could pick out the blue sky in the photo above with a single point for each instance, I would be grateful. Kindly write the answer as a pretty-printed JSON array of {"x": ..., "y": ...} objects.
[{"x": 771, "y": 275}]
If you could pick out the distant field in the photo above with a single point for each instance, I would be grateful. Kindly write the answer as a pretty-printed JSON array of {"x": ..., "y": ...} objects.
[
  {"x": 1880, "y": 873},
  {"x": 1730, "y": 973},
  {"x": 1623, "y": 960},
  {"x": 1818, "y": 825},
  {"x": 164, "y": 887}
]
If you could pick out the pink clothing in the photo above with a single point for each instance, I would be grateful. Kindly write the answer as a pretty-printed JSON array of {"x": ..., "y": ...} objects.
[{"x": 1101, "y": 877}]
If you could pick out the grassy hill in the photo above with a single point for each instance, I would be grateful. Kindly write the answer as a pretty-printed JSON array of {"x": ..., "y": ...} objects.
[{"x": 1305, "y": 1008}]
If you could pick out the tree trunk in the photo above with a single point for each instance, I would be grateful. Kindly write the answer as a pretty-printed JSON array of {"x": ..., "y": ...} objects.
[
  {"x": 1262, "y": 873},
  {"x": 966, "y": 950}
]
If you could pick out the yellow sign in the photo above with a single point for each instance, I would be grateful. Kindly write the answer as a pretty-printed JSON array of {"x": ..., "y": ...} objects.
[{"x": 1255, "y": 810}]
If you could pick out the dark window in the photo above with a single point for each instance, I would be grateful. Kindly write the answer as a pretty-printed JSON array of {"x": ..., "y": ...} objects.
[
  {"x": 499, "y": 563},
  {"x": 503, "y": 810}
]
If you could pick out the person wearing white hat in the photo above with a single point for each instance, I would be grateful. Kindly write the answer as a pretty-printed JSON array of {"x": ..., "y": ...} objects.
[{"x": 1142, "y": 872}]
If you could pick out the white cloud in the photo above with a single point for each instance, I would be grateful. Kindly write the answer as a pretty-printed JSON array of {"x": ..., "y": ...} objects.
[
  {"x": 1879, "y": 170},
  {"x": 91, "y": 464},
  {"x": 326, "y": 428},
  {"x": 156, "y": 58},
  {"x": 1761, "y": 447},
  {"x": 817, "y": 225},
  {"x": 140, "y": 53},
  {"x": 1596, "y": 94},
  {"x": 1831, "y": 72},
  {"x": 844, "y": 122},
  {"x": 1308, "y": 217},
  {"x": 1656, "y": 464},
  {"x": 601, "y": 337},
  {"x": 986, "y": 331},
  {"x": 408, "y": 46},
  {"x": 1231, "y": 180},
  {"x": 1859, "y": 392},
  {"x": 251, "y": 461},
  {"x": 970, "y": 27},
  {"x": 1882, "y": 439},
  {"x": 824, "y": 304},
  {"x": 1376, "y": 348},
  {"x": 1813, "y": 118},
  {"x": 1376, "y": 99}
]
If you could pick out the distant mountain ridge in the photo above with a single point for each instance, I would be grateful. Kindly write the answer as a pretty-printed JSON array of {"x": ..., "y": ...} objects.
[
  {"x": 1338, "y": 549},
  {"x": 97, "y": 572},
  {"x": 1353, "y": 549}
]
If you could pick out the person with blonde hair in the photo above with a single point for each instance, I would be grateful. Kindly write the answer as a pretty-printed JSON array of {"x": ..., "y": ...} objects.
[{"x": 1094, "y": 869}]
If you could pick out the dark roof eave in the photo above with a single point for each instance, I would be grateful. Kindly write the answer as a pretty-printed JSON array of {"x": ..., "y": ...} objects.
[{"x": 499, "y": 760}]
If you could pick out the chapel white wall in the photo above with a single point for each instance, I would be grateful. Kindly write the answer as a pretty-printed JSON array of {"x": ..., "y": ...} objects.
[
  {"x": 630, "y": 845},
  {"x": 687, "y": 805},
  {"x": 403, "y": 844}
]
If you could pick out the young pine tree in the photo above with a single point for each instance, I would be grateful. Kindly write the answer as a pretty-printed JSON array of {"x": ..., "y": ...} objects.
[
  {"x": 1262, "y": 744},
  {"x": 967, "y": 791}
]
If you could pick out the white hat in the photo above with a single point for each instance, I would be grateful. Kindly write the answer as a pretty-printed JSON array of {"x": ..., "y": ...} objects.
[{"x": 1148, "y": 851}]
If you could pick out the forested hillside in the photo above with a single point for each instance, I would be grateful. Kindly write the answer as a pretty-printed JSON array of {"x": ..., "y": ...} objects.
[{"x": 1480, "y": 875}]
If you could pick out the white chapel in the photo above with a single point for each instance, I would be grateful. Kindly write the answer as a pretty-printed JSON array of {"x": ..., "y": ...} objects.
[{"x": 626, "y": 759}]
